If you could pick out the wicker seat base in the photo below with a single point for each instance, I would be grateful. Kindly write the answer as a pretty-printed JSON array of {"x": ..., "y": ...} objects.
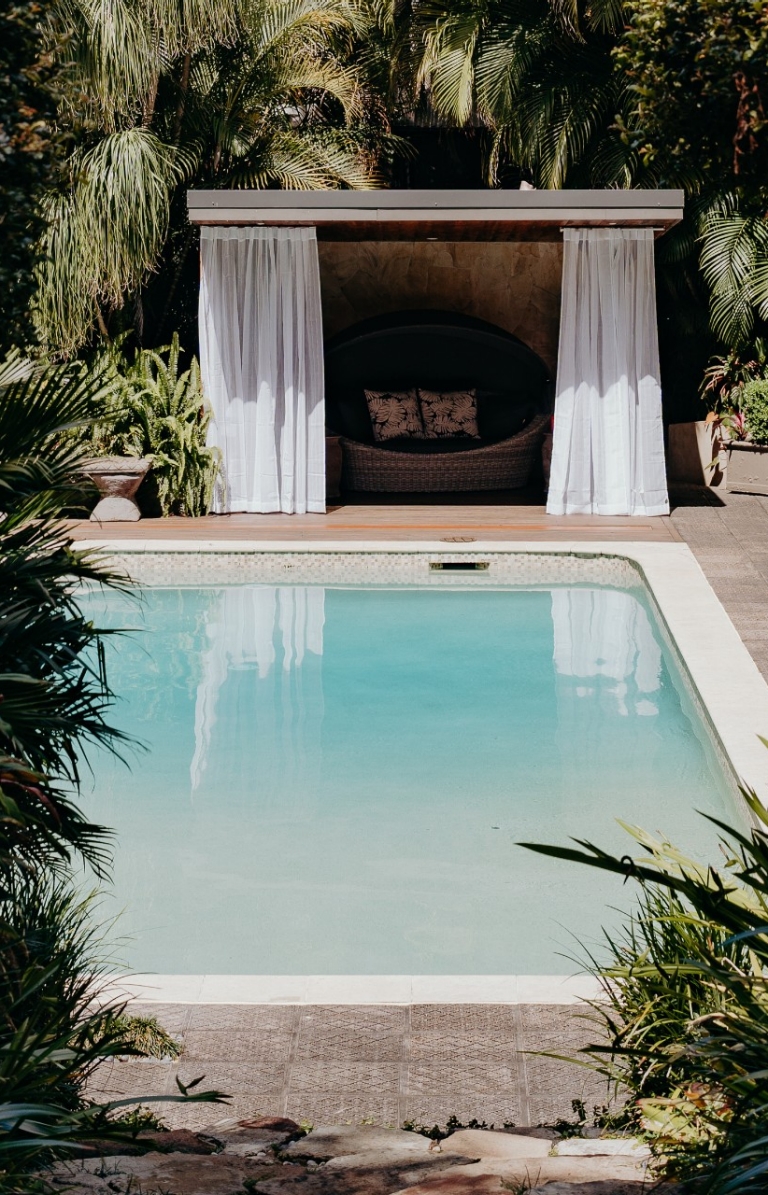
[{"x": 503, "y": 466}]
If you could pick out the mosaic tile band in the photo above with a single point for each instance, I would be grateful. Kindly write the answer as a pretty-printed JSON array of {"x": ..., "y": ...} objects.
[{"x": 383, "y": 568}]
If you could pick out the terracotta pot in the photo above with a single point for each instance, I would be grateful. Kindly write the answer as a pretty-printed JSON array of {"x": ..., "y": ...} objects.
[
  {"x": 117, "y": 479},
  {"x": 747, "y": 467}
]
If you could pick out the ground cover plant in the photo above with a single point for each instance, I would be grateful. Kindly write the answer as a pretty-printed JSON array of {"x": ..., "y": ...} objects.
[
  {"x": 54, "y": 707},
  {"x": 684, "y": 1014}
]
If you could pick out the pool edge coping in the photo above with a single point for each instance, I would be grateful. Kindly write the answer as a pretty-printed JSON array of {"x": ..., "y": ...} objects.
[
  {"x": 729, "y": 684},
  {"x": 355, "y": 989}
]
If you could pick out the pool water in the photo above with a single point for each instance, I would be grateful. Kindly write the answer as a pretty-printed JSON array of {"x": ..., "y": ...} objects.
[{"x": 335, "y": 779}]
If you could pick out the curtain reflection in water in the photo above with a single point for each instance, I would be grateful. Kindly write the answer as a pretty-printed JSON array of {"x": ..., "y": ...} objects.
[
  {"x": 265, "y": 629},
  {"x": 603, "y": 639}
]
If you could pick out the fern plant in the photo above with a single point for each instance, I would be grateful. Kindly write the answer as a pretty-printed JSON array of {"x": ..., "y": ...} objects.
[{"x": 160, "y": 413}]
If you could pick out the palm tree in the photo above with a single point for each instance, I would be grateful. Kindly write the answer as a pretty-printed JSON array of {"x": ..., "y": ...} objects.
[
  {"x": 165, "y": 94},
  {"x": 537, "y": 73},
  {"x": 620, "y": 94}
]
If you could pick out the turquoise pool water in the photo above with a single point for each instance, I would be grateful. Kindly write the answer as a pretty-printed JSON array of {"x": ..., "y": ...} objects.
[{"x": 335, "y": 778}]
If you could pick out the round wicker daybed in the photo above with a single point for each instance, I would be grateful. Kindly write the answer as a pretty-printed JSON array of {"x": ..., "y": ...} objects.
[
  {"x": 503, "y": 466},
  {"x": 438, "y": 351}
]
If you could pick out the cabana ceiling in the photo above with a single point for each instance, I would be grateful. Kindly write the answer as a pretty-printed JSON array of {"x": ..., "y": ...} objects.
[{"x": 440, "y": 215}]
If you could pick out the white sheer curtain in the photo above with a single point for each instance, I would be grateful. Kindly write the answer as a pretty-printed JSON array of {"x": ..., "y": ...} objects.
[
  {"x": 608, "y": 445},
  {"x": 261, "y": 356}
]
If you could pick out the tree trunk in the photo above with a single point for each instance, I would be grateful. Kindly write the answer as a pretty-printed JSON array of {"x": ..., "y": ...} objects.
[{"x": 183, "y": 87}]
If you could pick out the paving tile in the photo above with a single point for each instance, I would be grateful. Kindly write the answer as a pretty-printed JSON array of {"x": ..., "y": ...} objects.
[
  {"x": 251, "y": 1044},
  {"x": 461, "y": 1018},
  {"x": 121, "y": 1077},
  {"x": 196, "y": 1116},
  {"x": 487, "y": 1091},
  {"x": 432, "y": 1045},
  {"x": 174, "y": 1018},
  {"x": 330, "y": 1092},
  {"x": 229, "y": 1075},
  {"x": 338, "y": 1032},
  {"x": 236, "y": 1017}
]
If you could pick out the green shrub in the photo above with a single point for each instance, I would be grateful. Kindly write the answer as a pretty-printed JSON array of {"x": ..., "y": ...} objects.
[
  {"x": 685, "y": 1008},
  {"x": 161, "y": 414},
  {"x": 754, "y": 402}
]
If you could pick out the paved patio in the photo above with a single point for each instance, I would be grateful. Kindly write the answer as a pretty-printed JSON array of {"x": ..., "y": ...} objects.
[
  {"x": 386, "y": 1064},
  {"x": 728, "y": 534},
  {"x": 428, "y": 1062}
]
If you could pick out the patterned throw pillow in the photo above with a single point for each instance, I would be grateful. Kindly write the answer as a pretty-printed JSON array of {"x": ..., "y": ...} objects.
[
  {"x": 451, "y": 414},
  {"x": 394, "y": 413}
]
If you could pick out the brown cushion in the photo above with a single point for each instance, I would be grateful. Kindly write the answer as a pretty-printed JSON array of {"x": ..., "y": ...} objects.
[
  {"x": 450, "y": 414},
  {"x": 394, "y": 413}
]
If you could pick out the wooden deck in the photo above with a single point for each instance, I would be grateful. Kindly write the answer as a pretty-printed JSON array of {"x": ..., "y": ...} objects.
[{"x": 391, "y": 522}]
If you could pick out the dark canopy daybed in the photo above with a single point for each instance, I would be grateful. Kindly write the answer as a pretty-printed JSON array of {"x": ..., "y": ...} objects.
[{"x": 439, "y": 351}]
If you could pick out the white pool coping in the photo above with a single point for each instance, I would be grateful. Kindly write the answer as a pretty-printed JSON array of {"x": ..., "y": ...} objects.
[
  {"x": 726, "y": 678},
  {"x": 357, "y": 989}
]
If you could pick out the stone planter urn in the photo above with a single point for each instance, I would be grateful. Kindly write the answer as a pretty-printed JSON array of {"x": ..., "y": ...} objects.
[
  {"x": 747, "y": 467},
  {"x": 117, "y": 479},
  {"x": 696, "y": 455}
]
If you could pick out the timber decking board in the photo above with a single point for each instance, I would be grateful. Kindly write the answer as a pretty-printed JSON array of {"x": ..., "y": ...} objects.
[{"x": 408, "y": 523}]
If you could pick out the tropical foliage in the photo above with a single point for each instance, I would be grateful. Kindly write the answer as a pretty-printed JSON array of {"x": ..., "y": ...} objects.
[
  {"x": 158, "y": 412},
  {"x": 31, "y": 149},
  {"x": 755, "y": 407},
  {"x": 538, "y": 74},
  {"x": 645, "y": 93},
  {"x": 162, "y": 96},
  {"x": 54, "y": 706},
  {"x": 685, "y": 1002},
  {"x": 726, "y": 376},
  {"x": 50, "y": 699}
]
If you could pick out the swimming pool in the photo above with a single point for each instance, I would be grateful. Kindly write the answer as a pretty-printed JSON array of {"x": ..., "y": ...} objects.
[{"x": 336, "y": 775}]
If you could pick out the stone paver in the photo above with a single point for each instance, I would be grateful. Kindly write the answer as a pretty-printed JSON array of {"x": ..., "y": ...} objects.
[
  {"x": 346, "y": 1160},
  {"x": 384, "y": 1064},
  {"x": 728, "y": 534}
]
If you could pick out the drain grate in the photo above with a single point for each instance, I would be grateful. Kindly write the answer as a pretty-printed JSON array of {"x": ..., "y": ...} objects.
[{"x": 456, "y": 566}]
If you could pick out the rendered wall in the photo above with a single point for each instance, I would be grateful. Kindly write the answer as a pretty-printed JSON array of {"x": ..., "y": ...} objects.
[{"x": 513, "y": 285}]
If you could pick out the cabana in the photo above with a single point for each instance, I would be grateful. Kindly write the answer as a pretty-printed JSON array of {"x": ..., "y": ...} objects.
[{"x": 262, "y": 317}]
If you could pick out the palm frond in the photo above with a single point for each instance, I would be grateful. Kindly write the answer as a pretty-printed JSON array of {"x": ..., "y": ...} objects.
[
  {"x": 101, "y": 242},
  {"x": 734, "y": 262}
]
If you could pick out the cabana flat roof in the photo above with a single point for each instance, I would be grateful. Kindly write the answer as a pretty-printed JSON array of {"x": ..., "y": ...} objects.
[{"x": 440, "y": 215}]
